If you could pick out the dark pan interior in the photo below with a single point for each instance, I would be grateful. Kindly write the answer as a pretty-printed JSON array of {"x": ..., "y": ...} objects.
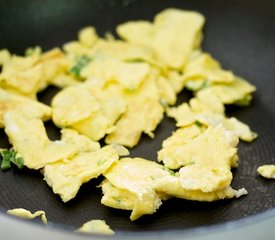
[{"x": 239, "y": 33}]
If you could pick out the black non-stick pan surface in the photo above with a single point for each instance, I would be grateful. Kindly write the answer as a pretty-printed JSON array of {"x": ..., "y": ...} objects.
[{"x": 239, "y": 33}]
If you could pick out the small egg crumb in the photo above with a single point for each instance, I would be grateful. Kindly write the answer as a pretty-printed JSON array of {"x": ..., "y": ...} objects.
[
  {"x": 267, "y": 171},
  {"x": 240, "y": 192},
  {"x": 96, "y": 226}
]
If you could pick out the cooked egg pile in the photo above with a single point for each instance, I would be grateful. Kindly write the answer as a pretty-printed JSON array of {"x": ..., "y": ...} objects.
[{"x": 116, "y": 90}]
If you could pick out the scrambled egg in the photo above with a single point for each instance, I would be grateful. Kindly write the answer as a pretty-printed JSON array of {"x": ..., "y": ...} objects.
[
  {"x": 142, "y": 115},
  {"x": 127, "y": 74},
  {"x": 118, "y": 90},
  {"x": 23, "y": 213},
  {"x": 173, "y": 35},
  {"x": 267, "y": 171},
  {"x": 76, "y": 107},
  {"x": 67, "y": 175},
  {"x": 206, "y": 109},
  {"x": 96, "y": 226},
  {"x": 208, "y": 169},
  {"x": 204, "y": 72},
  {"x": 10, "y": 101},
  {"x": 124, "y": 51},
  {"x": 32, "y": 142},
  {"x": 81, "y": 142},
  {"x": 181, "y": 148},
  {"x": 21, "y": 75},
  {"x": 140, "y": 185},
  {"x": 132, "y": 186},
  {"x": 30, "y": 74},
  {"x": 239, "y": 92},
  {"x": 111, "y": 101},
  {"x": 204, "y": 103},
  {"x": 173, "y": 187}
]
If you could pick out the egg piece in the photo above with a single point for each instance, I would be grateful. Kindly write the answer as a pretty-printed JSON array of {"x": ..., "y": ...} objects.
[
  {"x": 76, "y": 107},
  {"x": 94, "y": 127},
  {"x": 110, "y": 98},
  {"x": 75, "y": 49},
  {"x": 240, "y": 129},
  {"x": 182, "y": 136},
  {"x": 206, "y": 109},
  {"x": 267, "y": 171},
  {"x": 63, "y": 80},
  {"x": 240, "y": 192},
  {"x": 30, "y": 74},
  {"x": 143, "y": 115},
  {"x": 128, "y": 74},
  {"x": 81, "y": 142},
  {"x": 171, "y": 154},
  {"x": 204, "y": 102},
  {"x": 172, "y": 186},
  {"x": 166, "y": 91},
  {"x": 238, "y": 92},
  {"x": 177, "y": 34},
  {"x": 117, "y": 198},
  {"x": 87, "y": 39},
  {"x": 173, "y": 35},
  {"x": 66, "y": 176},
  {"x": 73, "y": 104},
  {"x": 149, "y": 88},
  {"x": 96, "y": 226},
  {"x": 27, "y": 134},
  {"x": 87, "y": 36},
  {"x": 205, "y": 178},
  {"x": 133, "y": 30},
  {"x": 140, "y": 185},
  {"x": 124, "y": 51},
  {"x": 211, "y": 157},
  {"x": 22, "y": 74},
  {"x": 203, "y": 70},
  {"x": 53, "y": 62},
  {"x": 135, "y": 176},
  {"x": 5, "y": 56},
  {"x": 23, "y": 213},
  {"x": 10, "y": 101},
  {"x": 183, "y": 114},
  {"x": 176, "y": 80}
]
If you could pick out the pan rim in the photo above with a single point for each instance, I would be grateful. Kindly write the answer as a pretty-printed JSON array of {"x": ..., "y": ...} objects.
[{"x": 227, "y": 229}]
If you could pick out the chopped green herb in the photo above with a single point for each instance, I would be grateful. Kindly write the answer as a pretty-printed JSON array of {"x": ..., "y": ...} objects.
[
  {"x": 81, "y": 62},
  {"x": 191, "y": 162},
  {"x": 101, "y": 161},
  {"x": 198, "y": 124},
  {"x": 245, "y": 101},
  {"x": 118, "y": 200},
  {"x": 204, "y": 85},
  {"x": 6, "y": 164},
  {"x": 135, "y": 60},
  {"x": 10, "y": 156},
  {"x": 169, "y": 170}
]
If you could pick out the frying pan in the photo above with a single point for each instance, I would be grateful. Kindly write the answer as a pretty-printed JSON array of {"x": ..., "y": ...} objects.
[{"x": 240, "y": 34}]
